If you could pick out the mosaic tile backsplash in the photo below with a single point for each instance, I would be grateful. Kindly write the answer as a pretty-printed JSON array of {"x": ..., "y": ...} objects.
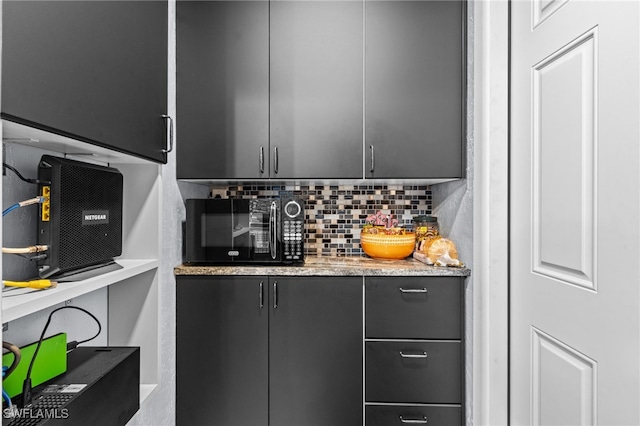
[{"x": 335, "y": 213}]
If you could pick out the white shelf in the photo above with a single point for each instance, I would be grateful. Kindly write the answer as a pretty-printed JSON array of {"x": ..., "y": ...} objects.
[{"x": 21, "y": 302}]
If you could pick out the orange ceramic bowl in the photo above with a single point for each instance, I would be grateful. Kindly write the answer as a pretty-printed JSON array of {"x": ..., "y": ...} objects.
[{"x": 381, "y": 246}]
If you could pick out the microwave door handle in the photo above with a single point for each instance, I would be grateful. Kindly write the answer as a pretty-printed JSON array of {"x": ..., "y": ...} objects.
[
  {"x": 233, "y": 238},
  {"x": 270, "y": 229},
  {"x": 273, "y": 230}
]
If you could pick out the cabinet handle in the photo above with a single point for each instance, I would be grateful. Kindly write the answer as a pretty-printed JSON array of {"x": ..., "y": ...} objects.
[
  {"x": 419, "y": 355},
  {"x": 261, "y": 160},
  {"x": 422, "y": 421},
  {"x": 373, "y": 159},
  {"x": 261, "y": 295},
  {"x": 275, "y": 160},
  {"x": 168, "y": 117},
  {"x": 275, "y": 295},
  {"x": 412, "y": 290}
]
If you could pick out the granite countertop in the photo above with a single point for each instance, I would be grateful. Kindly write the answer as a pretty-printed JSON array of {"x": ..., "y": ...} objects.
[{"x": 331, "y": 266}]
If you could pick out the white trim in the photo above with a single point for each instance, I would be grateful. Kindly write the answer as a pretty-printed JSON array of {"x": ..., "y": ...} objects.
[{"x": 490, "y": 221}]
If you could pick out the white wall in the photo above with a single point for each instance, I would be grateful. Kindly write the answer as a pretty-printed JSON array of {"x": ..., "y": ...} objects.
[{"x": 490, "y": 213}]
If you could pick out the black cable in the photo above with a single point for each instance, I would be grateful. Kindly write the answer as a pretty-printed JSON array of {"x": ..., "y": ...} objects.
[
  {"x": 26, "y": 387},
  {"x": 16, "y": 356},
  {"x": 40, "y": 256},
  {"x": 22, "y": 178}
]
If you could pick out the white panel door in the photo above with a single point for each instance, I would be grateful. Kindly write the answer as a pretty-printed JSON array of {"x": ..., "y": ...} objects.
[{"x": 574, "y": 213}]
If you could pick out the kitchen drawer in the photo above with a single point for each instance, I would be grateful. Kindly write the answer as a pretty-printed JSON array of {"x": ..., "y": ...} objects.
[
  {"x": 413, "y": 307},
  {"x": 413, "y": 372},
  {"x": 402, "y": 415}
]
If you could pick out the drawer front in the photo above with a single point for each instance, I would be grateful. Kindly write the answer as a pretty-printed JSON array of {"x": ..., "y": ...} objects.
[
  {"x": 402, "y": 415},
  {"x": 413, "y": 308},
  {"x": 413, "y": 372}
]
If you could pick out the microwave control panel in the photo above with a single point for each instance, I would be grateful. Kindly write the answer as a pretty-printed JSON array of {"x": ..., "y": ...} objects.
[{"x": 293, "y": 229}]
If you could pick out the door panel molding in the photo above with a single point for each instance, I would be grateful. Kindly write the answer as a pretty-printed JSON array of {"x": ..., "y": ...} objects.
[
  {"x": 563, "y": 382},
  {"x": 543, "y": 9},
  {"x": 564, "y": 145}
]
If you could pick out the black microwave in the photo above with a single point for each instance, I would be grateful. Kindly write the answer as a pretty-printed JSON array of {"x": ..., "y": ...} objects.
[{"x": 233, "y": 230}]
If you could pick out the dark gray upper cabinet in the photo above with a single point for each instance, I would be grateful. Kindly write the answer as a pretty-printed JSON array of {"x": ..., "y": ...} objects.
[
  {"x": 414, "y": 89},
  {"x": 95, "y": 71},
  {"x": 316, "y": 54},
  {"x": 269, "y": 89},
  {"x": 279, "y": 89},
  {"x": 223, "y": 89}
]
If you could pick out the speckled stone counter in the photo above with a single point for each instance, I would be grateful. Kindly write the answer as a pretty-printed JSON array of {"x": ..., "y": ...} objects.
[{"x": 331, "y": 266}]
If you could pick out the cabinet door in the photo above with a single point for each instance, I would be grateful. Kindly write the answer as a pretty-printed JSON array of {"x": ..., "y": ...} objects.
[
  {"x": 222, "y": 351},
  {"x": 315, "y": 351},
  {"x": 95, "y": 71},
  {"x": 316, "y": 89},
  {"x": 223, "y": 89},
  {"x": 414, "y": 80}
]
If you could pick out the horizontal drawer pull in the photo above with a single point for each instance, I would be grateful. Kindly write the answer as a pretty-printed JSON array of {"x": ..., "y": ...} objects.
[
  {"x": 422, "y": 421},
  {"x": 418, "y": 355},
  {"x": 412, "y": 290}
]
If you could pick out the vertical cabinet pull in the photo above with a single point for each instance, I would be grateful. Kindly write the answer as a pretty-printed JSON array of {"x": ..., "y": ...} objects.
[
  {"x": 422, "y": 421},
  {"x": 275, "y": 295},
  {"x": 373, "y": 159},
  {"x": 261, "y": 160},
  {"x": 168, "y": 117},
  {"x": 275, "y": 160},
  {"x": 261, "y": 295}
]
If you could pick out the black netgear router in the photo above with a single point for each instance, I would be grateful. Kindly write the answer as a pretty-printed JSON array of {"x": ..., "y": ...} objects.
[{"x": 81, "y": 223}]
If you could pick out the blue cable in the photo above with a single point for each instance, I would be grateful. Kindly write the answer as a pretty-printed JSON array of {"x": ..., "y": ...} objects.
[
  {"x": 5, "y": 395},
  {"x": 38, "y": 200},
  {"x": 9, "y": 209}
]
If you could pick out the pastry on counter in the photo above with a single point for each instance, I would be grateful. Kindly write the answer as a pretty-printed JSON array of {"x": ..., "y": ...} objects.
[{"x": 440, "y": 251}]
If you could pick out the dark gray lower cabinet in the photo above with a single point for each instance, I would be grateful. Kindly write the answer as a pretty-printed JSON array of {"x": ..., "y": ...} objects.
[
  {"x": 222, "y": 338},
  {"x": 315, "y": 351},
  {"x": 414, "y": 350},
  {"x": 403, "y": 415},
  {"x": 414, "y": 372},
  {"x": 269, "y": 351},
  {"x": 414, "y": 308}
]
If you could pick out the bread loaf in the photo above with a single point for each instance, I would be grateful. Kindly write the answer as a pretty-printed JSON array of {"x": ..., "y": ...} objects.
[{"x": 440, "y": 251}]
